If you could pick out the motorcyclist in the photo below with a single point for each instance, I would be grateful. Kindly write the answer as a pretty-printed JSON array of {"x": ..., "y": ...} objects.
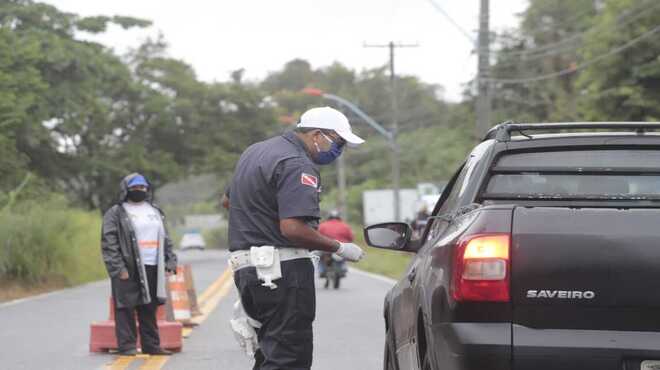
[
  {"x": 420, "y": 221},
  {"x": 335, "y": 228}
]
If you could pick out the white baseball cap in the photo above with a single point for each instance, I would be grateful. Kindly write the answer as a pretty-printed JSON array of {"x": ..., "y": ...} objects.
[{"x": 330, "y": 119}]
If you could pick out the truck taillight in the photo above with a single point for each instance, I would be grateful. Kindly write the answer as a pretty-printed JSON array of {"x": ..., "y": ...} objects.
[{"x": 482, "y": 268}]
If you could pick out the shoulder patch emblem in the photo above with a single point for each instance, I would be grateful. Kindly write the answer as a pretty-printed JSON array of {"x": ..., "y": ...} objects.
[{"x": 309, "y": 180}]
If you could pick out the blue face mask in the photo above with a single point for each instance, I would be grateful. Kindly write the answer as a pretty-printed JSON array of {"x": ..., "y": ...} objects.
[{"x": 327, "y": 157}]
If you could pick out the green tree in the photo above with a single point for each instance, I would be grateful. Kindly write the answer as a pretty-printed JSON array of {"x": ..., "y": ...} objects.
[
  {"x": 625, "y": 86},
  {"x": 61, "y": 96},
  {"x": 548, "y": 40},
  {"x": 73, "y": 112}
]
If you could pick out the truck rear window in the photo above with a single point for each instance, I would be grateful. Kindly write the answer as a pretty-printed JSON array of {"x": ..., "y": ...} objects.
[
  {"x": 586, "y": 174},
  {"x": 625, "y": 159}
]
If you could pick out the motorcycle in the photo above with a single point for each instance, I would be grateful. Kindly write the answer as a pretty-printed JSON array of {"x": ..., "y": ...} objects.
[{"x": 332, "y": 268}]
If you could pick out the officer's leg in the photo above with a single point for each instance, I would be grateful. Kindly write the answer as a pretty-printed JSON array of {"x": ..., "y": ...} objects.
[
  {"x": 286, "y": 338},
  {"x": 149, "y": 338},
  {"x": 258, "y": 359},
  {"x": 125, "y": 329}
]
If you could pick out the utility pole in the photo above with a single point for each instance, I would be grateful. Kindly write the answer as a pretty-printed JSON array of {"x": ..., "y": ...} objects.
[
  {"x": 396, "y": 162},
  {"x": 483, "y": 107}
]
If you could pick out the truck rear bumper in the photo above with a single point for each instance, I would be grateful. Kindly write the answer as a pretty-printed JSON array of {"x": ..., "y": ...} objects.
[
  {"x": 543, "y": 349},
  {"x": 468, "y": 346}
]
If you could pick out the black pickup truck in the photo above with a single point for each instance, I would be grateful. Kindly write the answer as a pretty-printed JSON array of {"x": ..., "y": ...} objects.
[{"x": 543, "y": 252}]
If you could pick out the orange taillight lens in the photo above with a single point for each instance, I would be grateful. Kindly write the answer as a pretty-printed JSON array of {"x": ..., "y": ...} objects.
[
  {"x": 481, "y": 268},
  {"x": 495, "y": 246}
]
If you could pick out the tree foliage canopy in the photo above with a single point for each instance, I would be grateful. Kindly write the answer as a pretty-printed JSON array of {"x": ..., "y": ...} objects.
[
  {"x": 580, "y": 60},
  {"x": 81, "y": 117}
]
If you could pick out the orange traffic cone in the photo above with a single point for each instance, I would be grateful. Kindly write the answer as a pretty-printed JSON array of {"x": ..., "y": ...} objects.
[
  {"x": 192, "y": 293},
  {"x": 178, "y": 297}
]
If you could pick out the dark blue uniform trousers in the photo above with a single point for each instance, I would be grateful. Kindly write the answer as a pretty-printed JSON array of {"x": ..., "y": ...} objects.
[{"x": 286, "y": 314}]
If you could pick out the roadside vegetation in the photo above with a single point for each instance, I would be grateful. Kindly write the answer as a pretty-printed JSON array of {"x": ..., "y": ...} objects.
[
  {"x": 387, "y": 263},
  {"x": 46, "y": 245}
]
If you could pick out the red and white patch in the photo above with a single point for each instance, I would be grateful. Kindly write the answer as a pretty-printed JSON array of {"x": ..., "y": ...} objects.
[{"x": 309, "y": 180}]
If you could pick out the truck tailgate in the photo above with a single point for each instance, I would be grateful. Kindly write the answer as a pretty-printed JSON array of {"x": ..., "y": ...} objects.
[{"x": 585, "y": 287}]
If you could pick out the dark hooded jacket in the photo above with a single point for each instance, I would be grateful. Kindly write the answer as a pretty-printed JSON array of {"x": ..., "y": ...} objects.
[{"x": 120, "y": 250}]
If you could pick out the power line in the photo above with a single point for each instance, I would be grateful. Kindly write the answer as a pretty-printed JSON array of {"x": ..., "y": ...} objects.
[
  {"x": 574, "y": 69},
  {"x": 571, "y": 20},
  {"x": 453, "y": 22},
  {"x": 543, "y": 48},
  {"x": 533, "y": 57},
  {"x": 622, "y": 20}
]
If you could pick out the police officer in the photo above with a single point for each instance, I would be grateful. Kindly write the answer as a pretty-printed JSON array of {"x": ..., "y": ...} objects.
[{"x": 273, "y": 200}]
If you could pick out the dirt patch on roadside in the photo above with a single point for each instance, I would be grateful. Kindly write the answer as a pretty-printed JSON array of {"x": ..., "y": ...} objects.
[{"x": 11, "y": 289}]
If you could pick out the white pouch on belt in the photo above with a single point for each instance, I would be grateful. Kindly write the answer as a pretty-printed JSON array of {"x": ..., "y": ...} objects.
[{"x": 267, "y": 261}]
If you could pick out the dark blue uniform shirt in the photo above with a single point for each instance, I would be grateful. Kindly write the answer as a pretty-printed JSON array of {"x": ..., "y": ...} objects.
[{"x": 273, "y": 180}]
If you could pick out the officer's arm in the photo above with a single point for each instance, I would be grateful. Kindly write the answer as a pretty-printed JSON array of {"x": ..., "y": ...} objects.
[
  {"x": 303, "y": 236},
  {"x": 298, "y": 183}
]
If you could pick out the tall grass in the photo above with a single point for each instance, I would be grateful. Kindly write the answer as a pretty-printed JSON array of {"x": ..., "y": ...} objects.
[{"x": 44, "y": 241}]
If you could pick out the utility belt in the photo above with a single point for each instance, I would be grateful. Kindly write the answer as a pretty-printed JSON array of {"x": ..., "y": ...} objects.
[{"x": 267, "y": 260}]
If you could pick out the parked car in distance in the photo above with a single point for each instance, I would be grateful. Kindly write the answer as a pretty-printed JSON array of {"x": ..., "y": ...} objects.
[{"x": 192, "y": 240}]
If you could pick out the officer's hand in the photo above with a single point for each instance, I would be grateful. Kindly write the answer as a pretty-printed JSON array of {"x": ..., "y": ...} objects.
[
  {"x": 123, "y": 275},
  {"x": 350, "y": 252}
]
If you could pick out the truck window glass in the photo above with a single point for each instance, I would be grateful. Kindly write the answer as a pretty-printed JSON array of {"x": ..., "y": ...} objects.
[
  {"x": 584, "y": 158},
  {"x": 606, "y": 174}
]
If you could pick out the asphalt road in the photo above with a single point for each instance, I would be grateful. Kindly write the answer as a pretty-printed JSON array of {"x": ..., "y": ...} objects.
[{"x": 51, "y": 331}]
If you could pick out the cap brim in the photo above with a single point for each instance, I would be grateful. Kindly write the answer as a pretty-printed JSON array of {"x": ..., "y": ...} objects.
[{"x": 350, "y": 137}]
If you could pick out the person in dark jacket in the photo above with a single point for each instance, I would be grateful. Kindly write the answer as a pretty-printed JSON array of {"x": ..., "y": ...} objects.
[{"x": 137, "y": 252}]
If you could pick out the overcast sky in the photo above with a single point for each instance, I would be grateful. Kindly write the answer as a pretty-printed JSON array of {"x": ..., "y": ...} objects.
[{"x": 217, "y": 37}]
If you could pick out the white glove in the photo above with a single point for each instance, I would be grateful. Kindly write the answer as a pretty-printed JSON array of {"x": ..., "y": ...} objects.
[
  {"x": 244, "y": 327},
  {"x": 350, "y": 251},
  {"x": 245, "y": 335}
]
